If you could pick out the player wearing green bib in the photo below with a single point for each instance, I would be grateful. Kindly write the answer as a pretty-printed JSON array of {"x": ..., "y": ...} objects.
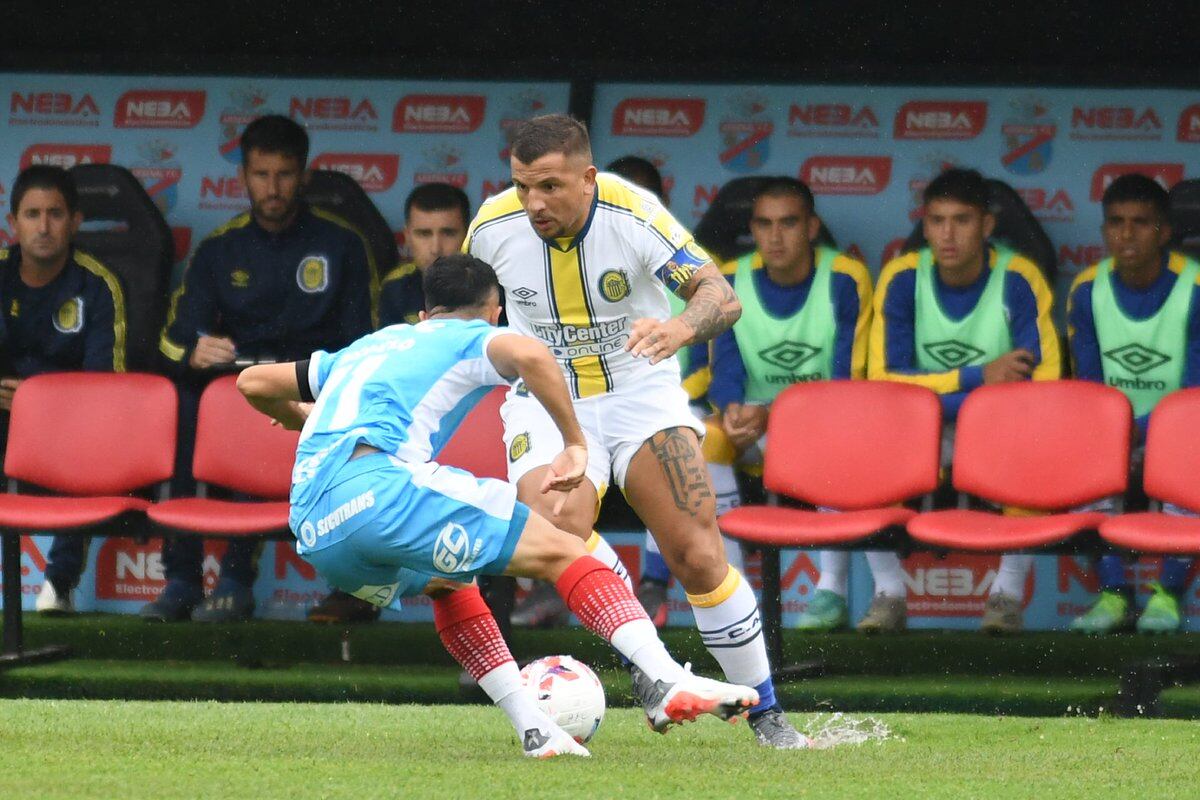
[
  {"x": 805, "y": 315},
  {"x": 953, "y": 316},
  {"x": 1134, "y": 323}
]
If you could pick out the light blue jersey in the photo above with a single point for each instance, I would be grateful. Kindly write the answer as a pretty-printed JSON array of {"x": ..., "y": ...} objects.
[
  {"x": 379, "y": 526},
  {"x": 402, "y": 390}
]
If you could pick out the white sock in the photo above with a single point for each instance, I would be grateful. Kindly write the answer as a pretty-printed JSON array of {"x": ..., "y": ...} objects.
[
  {"x": 638, "y": 641},
  {"x": 603, "y": 552},
  {"x": 1010, "y": 578},
  {"x": 885, "y": 569},
  {"x": 835, "y": 564},
  {"x": 731, "y": 629},
  {"x": 503, "y": 686}
]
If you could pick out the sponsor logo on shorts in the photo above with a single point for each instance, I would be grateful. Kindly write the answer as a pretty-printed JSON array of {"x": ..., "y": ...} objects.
[
  {"x": 454, "y": 551},
  {"x": 614, "y": 285},
  {"x": 312, "y": 275},
  {"x": 519, "y": 446},
  {"x": 377, "y": 595},
  {"x": 309, "y": 533}
]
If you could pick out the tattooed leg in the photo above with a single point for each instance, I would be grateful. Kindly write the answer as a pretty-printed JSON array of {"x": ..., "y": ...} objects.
[{"x": 667, "y": 485}]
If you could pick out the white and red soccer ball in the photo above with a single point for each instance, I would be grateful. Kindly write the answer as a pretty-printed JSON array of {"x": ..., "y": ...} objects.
[{"x": 568, "y": 692}]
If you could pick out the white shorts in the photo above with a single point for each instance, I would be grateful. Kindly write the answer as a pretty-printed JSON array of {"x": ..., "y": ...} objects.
[{"x": 615, "y": 425}]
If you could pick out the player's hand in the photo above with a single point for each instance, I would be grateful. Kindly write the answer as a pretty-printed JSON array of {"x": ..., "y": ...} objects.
[
  {"x": 744, "y": 424},
  {"x": 211, "y": 351},
  {"x": 295, "y": 417},
  {"x": 565, "y": 473},
  {"x": 657, "y": 339},
  {"x": 8, "y": 388},
  {"x": 1015, "y": 365}
]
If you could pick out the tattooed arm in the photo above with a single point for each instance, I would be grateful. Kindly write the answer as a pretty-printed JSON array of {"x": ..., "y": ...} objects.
[{"x": 712, "y": 307}]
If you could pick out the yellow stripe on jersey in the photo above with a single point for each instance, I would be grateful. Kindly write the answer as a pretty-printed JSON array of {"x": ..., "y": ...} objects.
[
  {"x": 499, "y": 206},
  {"x": 862, "y": 282},
  {"x": 1049, "y": 368},
  {"x": 572, "y": 307},
  {"x": 615, "y": 191},
  {"x": 118, "y": 299}
]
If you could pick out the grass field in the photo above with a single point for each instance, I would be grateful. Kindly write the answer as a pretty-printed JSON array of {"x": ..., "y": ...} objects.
[{"x": 110, "y": 749}]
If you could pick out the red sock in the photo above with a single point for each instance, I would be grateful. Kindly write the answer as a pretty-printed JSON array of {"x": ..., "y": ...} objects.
[
  {"x": 469, "y": 631},
  {"x": 598, "y": 597}
]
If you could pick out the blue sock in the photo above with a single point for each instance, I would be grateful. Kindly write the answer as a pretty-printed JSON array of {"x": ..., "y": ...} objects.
[
  {"x": 1174, "y": 575},
  {"x": 655, "y": 567},
  {"x": 1112, "y": 574},
  {"x": 766, "y": 698}
]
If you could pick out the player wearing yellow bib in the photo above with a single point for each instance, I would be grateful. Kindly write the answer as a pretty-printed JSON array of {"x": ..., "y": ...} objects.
[
  {"x": 955, "y": 315},
  {"x": 1134, "y": 323},
  {"x": 806, "y": 311},
  {"x": 586, "y": 260}
]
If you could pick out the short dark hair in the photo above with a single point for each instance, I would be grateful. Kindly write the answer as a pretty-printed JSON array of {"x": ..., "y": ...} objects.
[
  {"x": 640, "y": 172},
  {"x": 784, "y": 186},
  {"x": 438, "y": 197},
  {"x": 550, "y": 133},
  {"x": 964, "y": 185},
  {"x": 275, "y": 133},
  {"x": 457, "y": 281},
  {"x": 45, "y": 176},
  {"x": 1136, "y": 187}
]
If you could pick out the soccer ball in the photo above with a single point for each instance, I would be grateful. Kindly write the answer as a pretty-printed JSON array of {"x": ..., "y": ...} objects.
[{"x": 568, "y": 692}]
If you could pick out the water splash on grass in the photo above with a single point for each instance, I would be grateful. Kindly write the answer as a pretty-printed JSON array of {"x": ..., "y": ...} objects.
[{"x": 838, "y": 729}]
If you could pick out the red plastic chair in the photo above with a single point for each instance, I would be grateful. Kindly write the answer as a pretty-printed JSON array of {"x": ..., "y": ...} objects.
[
  {"x": 1172, "y": 475},
  {"x": 478, "y": 444},
  {"x": 237, "y": 448},
  {"x": 860, "y": 447},
  {"x": 90, "y": 439},
  {"x": 1041, "y": 447}
]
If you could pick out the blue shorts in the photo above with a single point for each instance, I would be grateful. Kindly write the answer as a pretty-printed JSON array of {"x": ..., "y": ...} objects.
[{"x": 383, "y": 527}]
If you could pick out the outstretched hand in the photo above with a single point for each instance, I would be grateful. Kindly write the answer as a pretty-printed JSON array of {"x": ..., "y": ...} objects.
[{"x": 565, "y": 473}]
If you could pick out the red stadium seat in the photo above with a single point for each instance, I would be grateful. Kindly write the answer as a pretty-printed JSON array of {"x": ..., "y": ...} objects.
[
  {"x": 478, "y": 444},
  {"x": 90, "y": 440},
  {"x": 1172, "y": 467},
  {"x": 238, "y": 449},
  {"x": 858, "y": 447},
  {"x": 1038, "y": 449}
]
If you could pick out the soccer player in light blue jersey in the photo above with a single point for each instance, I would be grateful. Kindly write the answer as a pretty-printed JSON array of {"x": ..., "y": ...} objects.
[{"x": 379, "y": 518}]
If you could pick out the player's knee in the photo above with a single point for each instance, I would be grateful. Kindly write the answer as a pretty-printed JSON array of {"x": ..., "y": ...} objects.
[{"x": 699, "y": 562}]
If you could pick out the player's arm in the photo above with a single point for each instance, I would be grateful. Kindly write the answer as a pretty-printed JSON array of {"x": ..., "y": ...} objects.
[
  {"x": 281, "y": 391},
  {"x": 1191, "y": 370},
  {"x": 1030, "y": 301},
  {"x": 185, "y": 340},
  {"x": 852, "y": 309},
  {"x": 711, "y": 307},
  {"x": 515, "y": 356},
  {"x": 104, "y": 343},
  {"x": 1081, "y": 331}
]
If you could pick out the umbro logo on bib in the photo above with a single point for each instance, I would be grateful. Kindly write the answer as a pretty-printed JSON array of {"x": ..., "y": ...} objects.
[
  {"x": 1136, "y": 358},
  {"x": 952, "y": 353},
  {"x": 788, "y": 355}
]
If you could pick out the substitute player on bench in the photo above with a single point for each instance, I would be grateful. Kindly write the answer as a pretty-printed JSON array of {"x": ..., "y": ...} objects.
[
  {"x": 955, "y": 315},
  {"x": 1134, "y": 323},
  {"x": 379, "y": 519},
  {"x": 797, "y": 298},
  {"x": 590, "y": 255}
]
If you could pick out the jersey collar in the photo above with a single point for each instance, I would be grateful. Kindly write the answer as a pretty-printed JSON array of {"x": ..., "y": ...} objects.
[{"x": 566, "y": 243}]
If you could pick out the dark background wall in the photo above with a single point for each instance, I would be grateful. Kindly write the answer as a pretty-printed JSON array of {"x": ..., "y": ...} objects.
[{"x": 1132, "y": 43}]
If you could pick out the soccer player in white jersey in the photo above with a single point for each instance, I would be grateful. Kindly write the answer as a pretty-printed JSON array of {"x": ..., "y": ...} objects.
[
  {"x": 380, "y": 519},
  {"x": 586, "y": 260}
]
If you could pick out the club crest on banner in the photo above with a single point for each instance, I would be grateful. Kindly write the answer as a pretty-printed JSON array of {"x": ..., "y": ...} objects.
[{"x": 1028, "y": 136}]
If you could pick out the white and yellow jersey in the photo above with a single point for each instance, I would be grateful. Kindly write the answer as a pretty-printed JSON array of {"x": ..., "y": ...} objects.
[{"x": 581, "y": 295}]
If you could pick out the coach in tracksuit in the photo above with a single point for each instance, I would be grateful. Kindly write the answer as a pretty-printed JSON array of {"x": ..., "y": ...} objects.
[
  {"x": 62, "y": 310},
  {"x": 272, "y": 284}
]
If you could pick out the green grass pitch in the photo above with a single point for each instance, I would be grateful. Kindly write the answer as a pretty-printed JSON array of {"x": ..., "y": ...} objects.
[{"x": 163, "y": 750}]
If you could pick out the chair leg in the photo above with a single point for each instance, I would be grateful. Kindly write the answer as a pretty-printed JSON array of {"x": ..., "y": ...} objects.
[
  {"x": 13, "y": 652},
  {"x": 772, "y": 606},
  {"x": 10, "y": 565}
]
